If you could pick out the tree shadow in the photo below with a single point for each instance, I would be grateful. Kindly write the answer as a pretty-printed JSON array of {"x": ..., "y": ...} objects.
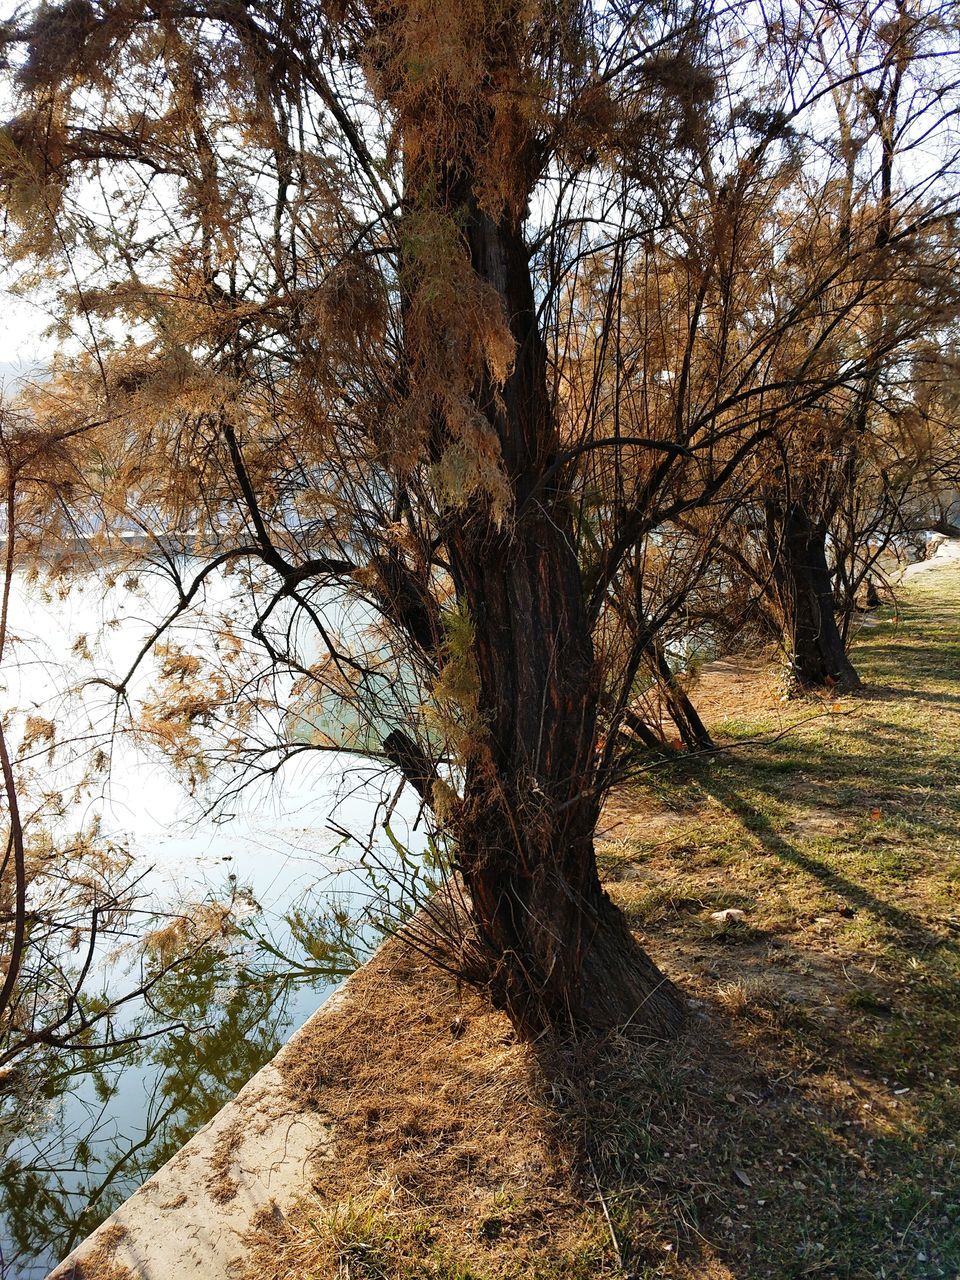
[
  {"x": 910, "y": 928},
  {"x": 798, "y": 1126},
  {"x": 903, "y": 662},
  {"x": 734, "y": 1152},
  {"x": 886, "y": 692}
]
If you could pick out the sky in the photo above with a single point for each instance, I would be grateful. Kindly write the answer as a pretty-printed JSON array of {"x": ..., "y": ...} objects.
[{"x": 23, "y": 348}]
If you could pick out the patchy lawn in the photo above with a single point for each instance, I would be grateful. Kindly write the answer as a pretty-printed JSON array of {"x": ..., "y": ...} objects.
[{"x": 807, "y": 1124}]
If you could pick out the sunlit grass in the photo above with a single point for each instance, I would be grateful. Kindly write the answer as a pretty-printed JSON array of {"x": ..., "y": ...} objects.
[{"x": 841, "y": 987}]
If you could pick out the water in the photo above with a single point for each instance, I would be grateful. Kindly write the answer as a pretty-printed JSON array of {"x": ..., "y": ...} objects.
[{"x": 80, "y": 1130}]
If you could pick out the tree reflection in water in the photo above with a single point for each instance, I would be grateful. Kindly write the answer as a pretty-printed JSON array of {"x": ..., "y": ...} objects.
[{"x": 81, "y": 1130}]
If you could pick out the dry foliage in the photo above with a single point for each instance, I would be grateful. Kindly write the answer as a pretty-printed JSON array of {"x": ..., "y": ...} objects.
[
  {"x": 492, "y": 360},
  {"x": 100, "y": 1263}
]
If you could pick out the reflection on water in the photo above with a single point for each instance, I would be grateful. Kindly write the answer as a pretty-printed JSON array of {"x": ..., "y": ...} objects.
[
  {"x": 99, "y": 1123},
  {"x": 80, "y": 1130}
]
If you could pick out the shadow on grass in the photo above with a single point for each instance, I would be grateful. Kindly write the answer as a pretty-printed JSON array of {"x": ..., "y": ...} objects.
[
  {"x": 924, "y": 644},
  {"x": 726, "y": 1155},
  {"x": 885, "y": 692},
  {"x": 907, "y": 925},
  {"x": 806, "y": 1123}
]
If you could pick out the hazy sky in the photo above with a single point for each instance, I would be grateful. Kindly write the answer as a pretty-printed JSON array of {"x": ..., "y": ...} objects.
[{"x": 23, "y": 348}]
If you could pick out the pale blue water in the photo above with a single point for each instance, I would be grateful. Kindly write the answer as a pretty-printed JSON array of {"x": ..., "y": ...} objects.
[{"x": 80, "y": 1131}]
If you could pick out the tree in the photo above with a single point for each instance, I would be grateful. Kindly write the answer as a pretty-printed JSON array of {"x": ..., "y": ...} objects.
[
  {"x": 352, "y": 285},
  {"x": 876, "y": 243}
]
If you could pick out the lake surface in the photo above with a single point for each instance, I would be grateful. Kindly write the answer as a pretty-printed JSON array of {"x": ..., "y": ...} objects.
[{"x": 80, "y": 1130}]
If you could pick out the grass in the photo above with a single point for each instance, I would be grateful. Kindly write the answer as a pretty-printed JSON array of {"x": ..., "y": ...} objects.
[
  {"x": 836, "y": 1003},
  {"x": 807, "y": 1124}
]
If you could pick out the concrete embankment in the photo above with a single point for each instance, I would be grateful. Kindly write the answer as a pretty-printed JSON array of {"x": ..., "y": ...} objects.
[
  {"x": 946, "y": 553},
  {"x": 190, "y": 1218}
]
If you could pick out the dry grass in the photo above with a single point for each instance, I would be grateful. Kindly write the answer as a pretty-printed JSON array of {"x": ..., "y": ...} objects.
[
  {"x": 222, "y": 1185},
  {"x": 446, "y": 1147},
  {"x": 805, "y": 1125},
  {"x": 100, "y": 1264}
]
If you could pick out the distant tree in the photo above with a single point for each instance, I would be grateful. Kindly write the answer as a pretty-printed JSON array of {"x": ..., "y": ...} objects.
[
  {"x": 923, "y": 449},
  {"x": 875, "y": 242}
]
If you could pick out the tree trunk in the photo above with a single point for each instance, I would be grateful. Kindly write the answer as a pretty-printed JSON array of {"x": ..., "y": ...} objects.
[
  {"x": 639, "y": 727},
  {"x": 693, "y": 732},
  {"x": 801, "y": 578},
  {"x": 561, "y": 953}
]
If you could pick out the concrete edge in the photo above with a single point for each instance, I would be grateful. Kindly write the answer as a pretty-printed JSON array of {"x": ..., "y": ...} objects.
[{"x": 190, "y": 1217}]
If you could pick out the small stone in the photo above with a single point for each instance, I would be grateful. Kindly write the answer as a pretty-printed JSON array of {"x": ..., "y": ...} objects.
[{"x": 729, "y": 915}]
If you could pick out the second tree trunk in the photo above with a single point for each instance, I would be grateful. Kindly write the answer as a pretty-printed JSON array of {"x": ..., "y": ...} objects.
[{"x": 804, "y": 589}]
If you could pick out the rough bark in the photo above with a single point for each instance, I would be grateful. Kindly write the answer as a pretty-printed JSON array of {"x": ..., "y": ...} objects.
[
  {"x": 561, "y": 952},
  {"x": 801, "y": 578}
]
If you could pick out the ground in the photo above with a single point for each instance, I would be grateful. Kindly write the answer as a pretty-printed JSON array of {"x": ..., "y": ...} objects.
[{"x": 806, "y": 1124}]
